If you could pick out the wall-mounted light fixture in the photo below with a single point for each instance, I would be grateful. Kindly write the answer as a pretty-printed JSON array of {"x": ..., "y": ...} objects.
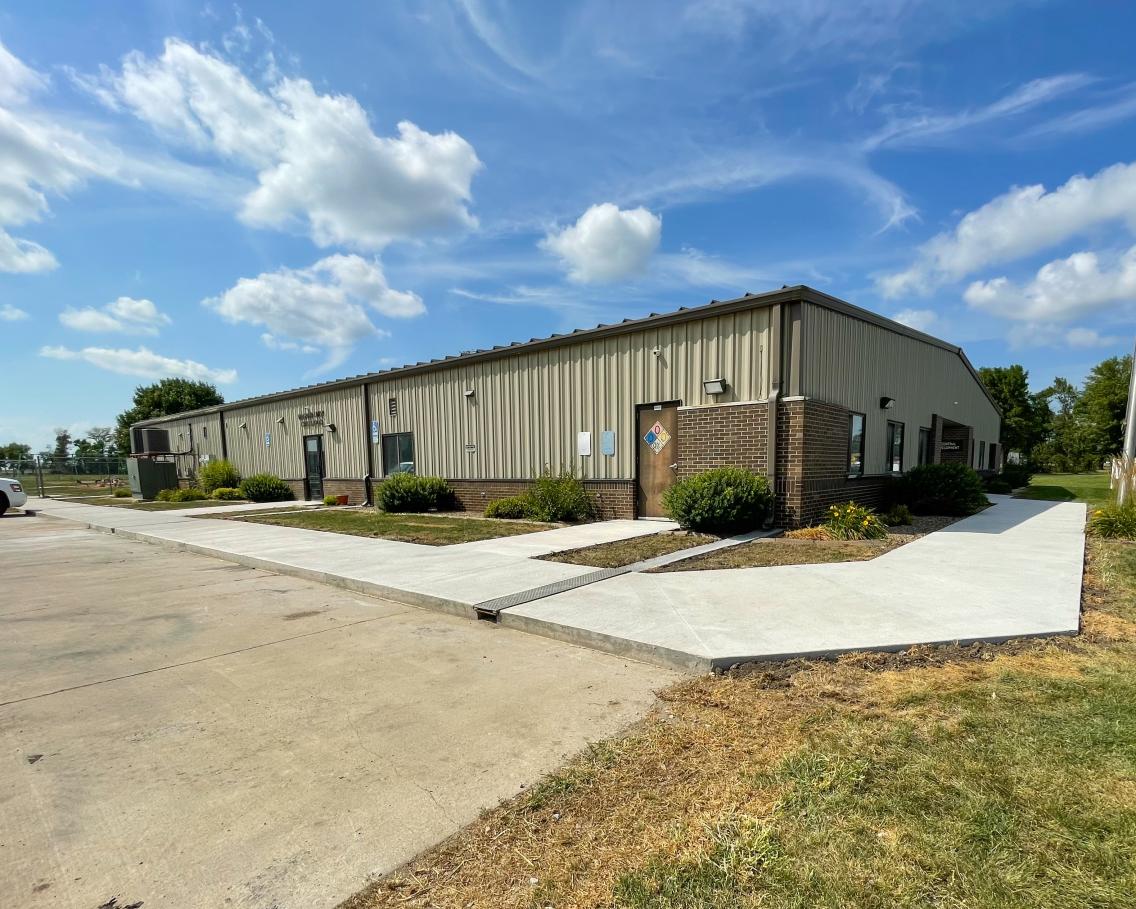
[
  {"x": 657, "y": 351},
  {"x": 887, "y": 403},
  {"x": 331, "y": 427},
  {"x": 714, "y": 386},
  {"x": 280, "y": 420},
  {"x": 468, "y": 392},
  {"x": 242, "y": 425}
]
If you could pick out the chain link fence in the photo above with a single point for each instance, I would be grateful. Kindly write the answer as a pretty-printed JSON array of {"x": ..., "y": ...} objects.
[{"x": 69, "y": 477}]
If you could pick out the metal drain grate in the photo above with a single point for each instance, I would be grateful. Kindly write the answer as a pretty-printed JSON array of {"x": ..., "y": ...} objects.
[{"x": 493, "y": 607}]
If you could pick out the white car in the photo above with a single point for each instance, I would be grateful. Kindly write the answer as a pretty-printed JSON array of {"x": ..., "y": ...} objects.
[{"x": 12, "y": 494}]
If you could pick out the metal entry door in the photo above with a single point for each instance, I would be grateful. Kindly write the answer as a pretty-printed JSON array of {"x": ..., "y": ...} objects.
[
  {"x": 313, "y": 466},
  {"x": 657, "y": 456}
]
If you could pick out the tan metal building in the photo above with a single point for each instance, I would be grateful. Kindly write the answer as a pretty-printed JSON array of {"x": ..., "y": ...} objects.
[{"x": 843, "y": 397}]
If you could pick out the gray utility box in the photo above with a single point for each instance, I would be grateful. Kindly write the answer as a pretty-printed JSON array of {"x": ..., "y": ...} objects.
[{"x": 149, "y": 477}]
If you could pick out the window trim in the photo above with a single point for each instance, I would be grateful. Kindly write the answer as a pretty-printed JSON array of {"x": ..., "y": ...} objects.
[
  {"x": 383, "y": 449},
  {"x": 852, "y": 414},
  {"x": 890, "y": 446},
  {"x": 924, "y": 456}
]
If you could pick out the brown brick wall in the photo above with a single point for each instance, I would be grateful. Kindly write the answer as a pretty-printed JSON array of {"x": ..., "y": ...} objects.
[
  {"x": 355, "y": 490},
  {"x": 812, "y": 461},
  {"x": 614, "y": 498},
  {"x": 731, "y": 435}
]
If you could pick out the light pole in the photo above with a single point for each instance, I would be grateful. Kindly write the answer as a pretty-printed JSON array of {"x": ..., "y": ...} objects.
[{"x": 1128, "y": 452}]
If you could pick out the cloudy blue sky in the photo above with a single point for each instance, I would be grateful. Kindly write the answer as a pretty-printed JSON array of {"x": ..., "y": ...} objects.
[{"x": 265, "y": 195}]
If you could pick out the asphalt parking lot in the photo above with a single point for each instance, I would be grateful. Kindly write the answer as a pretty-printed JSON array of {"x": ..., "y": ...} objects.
[{"x": 181, "y": 731}]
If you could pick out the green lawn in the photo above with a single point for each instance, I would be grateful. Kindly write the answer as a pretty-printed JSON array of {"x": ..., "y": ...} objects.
[
  {"x": 65, "y": 484},
  {"x": 434, "y": 530},
  {"x": 150, "y": 506},
  {"x": 1091, "y": 488},
  {"x": 997, "y": 775}
]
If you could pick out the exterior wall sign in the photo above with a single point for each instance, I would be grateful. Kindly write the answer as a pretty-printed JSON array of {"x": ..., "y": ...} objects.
[
  {"x": 947, "y": 445},
  {"x": 267, "y": 439},
  {"x": 311, "y": 417},
  {"x": 657, "y": 437},
  {"x": 374, "y": 432},
  {"x": 607, "y": 442},
  {"x": 584, "y": 444},
  {"x": 470, "y": 447}
]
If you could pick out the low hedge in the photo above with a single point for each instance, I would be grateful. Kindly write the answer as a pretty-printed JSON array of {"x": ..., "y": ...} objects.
[
  {"x": 509, "y": 507},
  {"x": 122, "y": 493},
  {"x": 182, "y": 495},
  {"x": 402, "y": 492},
  {"x": 723, "y": 500},
  {"x": 227, "y": 494},
  {"x": 559, "y": 497},
  {"x": 265, "y": 487},
  {"x": 950, "y": 488}
]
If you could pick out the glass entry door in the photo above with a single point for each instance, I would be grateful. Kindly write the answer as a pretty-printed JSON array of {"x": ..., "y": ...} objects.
[{"x": 313, "y": 466}]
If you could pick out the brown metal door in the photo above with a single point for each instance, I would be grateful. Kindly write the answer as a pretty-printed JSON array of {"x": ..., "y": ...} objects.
[{"x": 657, "y": 458}]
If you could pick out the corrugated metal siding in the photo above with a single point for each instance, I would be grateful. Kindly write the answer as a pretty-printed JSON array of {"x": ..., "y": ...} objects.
[
  {"x": 526, "y": 410},
  {"x": 850, "y": 362},
  {"x": 344, "y": 454}
]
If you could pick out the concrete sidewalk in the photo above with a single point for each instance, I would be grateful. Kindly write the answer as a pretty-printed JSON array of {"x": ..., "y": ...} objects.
[
  {"x": 1013, "y": 570},
  {"x": 450, "y": 578}
]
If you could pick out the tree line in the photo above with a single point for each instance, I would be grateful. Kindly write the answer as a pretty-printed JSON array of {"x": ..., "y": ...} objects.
[{"x": 1062, "y": 428}]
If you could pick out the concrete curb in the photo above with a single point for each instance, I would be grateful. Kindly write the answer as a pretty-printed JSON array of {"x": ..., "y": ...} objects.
[{"x": 356, "y": 585}]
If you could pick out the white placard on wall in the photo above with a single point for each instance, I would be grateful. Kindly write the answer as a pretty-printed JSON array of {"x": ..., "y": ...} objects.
[{"x": 584, "y": 444}]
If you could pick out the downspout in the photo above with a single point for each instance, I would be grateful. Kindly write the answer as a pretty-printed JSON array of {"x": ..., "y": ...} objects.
[
  {"x": 224, "y": 440},
  {"x": 775, "y": 345},
  {"x": 367, "y": 445}
]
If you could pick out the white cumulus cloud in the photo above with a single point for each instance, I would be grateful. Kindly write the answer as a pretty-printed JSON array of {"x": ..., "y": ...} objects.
[
  {"x": 142, "y": 362},
  {"x": 10, "y": 313},
  {"x": 316, "y": 158},
  {"x": 1024, "y": 221},
  {"x": 326, "y": 305},
  {"x": 606, "y": 243},
  {"x": 1048, "y": 335},
  {"x": 124, "y": 316},
  {"x": 919, "y": 319},
  {"x": 1061, "y": 290}
]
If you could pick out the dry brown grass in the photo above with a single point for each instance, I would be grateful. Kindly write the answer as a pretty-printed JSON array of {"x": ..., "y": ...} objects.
[
  {"x": 627, "y": 552},
  {"x": 661, "y": 795}
]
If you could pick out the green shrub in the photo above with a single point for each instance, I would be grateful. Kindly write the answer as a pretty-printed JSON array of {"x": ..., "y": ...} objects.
[
  {"x": 182, "y": 495},
  {"x": 560, "y": 497},
  {"x": 1016, "y": 474},
  {"x": 950, "y": 488},
  {"x": 997, "y": 484},
  {"x": 330, "y": 500},
  {"x": 510, "y": 507},
  {"x": 1115, "y": 522},
  {"x": 227, "y": 494},
  {"x": 265, "y": 487},
  {"x": 217, "y": 475},
  {"x": 897, "y": 516},
  {"x": 122, "y": 493},
  {"x": 722, "y": 500},
  {"x": 403, "y": 492},
  {"x": 852, "y": 521}
]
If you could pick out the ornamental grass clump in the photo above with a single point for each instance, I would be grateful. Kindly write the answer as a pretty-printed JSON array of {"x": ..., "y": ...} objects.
[
  {"x": 1114, "y": 522},
  {"x": 851, "y": 521}
]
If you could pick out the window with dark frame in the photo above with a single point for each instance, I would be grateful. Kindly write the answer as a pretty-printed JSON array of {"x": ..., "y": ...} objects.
[
  {"x": 924, "y": 445},
  {"x": 993, "y": 451},
  {"x": 895, "y": 446},
  {"x": 856, "y": 445},
  {"x": 981, "y": 455},
  {"x": 398, "y": 453}
]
